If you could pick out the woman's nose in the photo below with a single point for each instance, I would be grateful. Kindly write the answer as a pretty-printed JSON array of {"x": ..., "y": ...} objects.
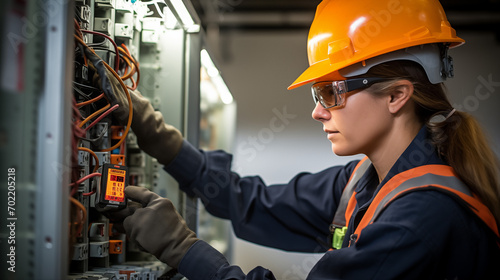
[{"x": 320, "y": 114}]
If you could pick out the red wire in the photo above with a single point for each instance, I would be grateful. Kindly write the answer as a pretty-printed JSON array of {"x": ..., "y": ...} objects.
[
  {"x": 77, "y": 132},
  {"x": 117, "y": 56},
  {"x": 102, "y": 116},
  {"x": 134, "y": 84},
  {"x": 122, "y": 148},
  {"x": 83, "y": 179},
  {"x": 89, "y": 193}
]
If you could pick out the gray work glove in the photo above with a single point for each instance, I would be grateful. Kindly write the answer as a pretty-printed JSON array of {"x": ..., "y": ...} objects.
[
  {"x": 157, "y": 227},
  {"x": 154, "y": 136},
  {"x": 116, "y": 217}
]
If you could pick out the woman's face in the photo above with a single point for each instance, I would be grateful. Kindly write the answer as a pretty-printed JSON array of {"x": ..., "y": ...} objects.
[{"x": 357, "y": 127}]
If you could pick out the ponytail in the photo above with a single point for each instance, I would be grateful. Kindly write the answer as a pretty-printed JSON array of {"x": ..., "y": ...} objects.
[
  {"x": 458, "y": 137},
  {"x": 461, "y": 142}
]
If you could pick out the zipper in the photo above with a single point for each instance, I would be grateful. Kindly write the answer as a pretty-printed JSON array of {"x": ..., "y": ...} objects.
[
  {"x": 352, "y": 239},
  {"x": 355, "y": 221}
]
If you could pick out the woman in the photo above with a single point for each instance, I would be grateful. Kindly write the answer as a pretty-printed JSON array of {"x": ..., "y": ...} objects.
[{"x": 423, "y": 205}]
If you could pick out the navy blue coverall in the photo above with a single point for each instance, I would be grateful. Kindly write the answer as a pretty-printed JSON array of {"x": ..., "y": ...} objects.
[{"x": 422, "y": 235}]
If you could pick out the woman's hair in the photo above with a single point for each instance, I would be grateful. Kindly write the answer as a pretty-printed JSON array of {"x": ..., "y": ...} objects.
[{"x": 459, "y": 139}]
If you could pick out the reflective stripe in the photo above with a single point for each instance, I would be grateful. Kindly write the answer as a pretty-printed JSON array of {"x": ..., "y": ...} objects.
[
  {"x": 422, "y": 181},
  {"x": 426, "y": 177},
  {"x": 340, "y": 217}
]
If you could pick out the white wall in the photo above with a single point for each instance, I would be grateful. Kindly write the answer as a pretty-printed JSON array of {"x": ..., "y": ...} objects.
[
  {"x": 476, "y": 86},
  {"x": 258, "y": 69}
]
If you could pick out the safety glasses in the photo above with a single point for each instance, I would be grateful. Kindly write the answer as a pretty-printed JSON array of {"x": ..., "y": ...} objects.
[{"x": 332, "y": 94}]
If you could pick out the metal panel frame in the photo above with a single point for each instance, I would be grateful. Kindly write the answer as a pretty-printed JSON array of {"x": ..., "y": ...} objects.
[
  {"x": 192, "y": 115},
  {"x": 54, "y": 147}
]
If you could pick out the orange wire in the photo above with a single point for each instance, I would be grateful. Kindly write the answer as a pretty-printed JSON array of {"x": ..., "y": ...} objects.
[
  {"x": 81, "y": 104},
  {"x": 77, "y": 28},
  {"x": 126, "y": 54},
  {"x": 93, "y": 155},
  {"x": 128, "y": 58},
  {"x": 134, "y": 84},
  {"x": 132, "y": 69},
  {"x": 124, "y": 87},
  {"x": 82, "y": 208},
  {"x": 126, "y": 49},
  {"x": 80, "y": 35},
  {"x": 138, "y": 72},
  {"x": 94, "y": 115}
]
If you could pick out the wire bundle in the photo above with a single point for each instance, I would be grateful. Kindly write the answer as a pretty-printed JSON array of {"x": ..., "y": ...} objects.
[
  {"x": 131, "y": 63},
  {"x": 101, "y": 102}
]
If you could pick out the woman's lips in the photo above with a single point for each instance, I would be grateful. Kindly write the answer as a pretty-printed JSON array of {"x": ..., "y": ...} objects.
[{"x": 331, "y": 133}]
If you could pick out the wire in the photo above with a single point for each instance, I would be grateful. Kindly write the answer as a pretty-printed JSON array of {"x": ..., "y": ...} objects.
[
  {"x": 89, "y": 193},
  {"x": 86, "y": 86},
  {"x": 76, "y": 133},
  {"x": 81, "y": 93},
  {"x": 126, "y": 49},
  {"x": 101, "y": 48},
  {"x": 102, "y": 116},
  {"x": 93, "y": 115},
  {"x": 77, "y": 13},
  {"x": 79, "y": 33},
  {"x": 117, "y": 57},
  {"x": 130, "y": 74},
  {"x": 96, "y": 141},
  {"x": 81, "y": 104},
  {"x": 136, "y": 63},
  {"x": 85, "y": 178},
  {"x": 134, "y": 84},
  {"x": 93, "y": 155},
  {"x": 98, "y": 44},
  {"x": 83, "y": 211},
  {"x": 78, "y": 30},
  {"x": 127, "y": 75},
  {"x": 124, "y": 87},
  {"x": 122, "y": 149}
]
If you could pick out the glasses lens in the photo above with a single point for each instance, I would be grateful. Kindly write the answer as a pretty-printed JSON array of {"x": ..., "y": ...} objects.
[
  {"x": 331, "y": 94},
  {"x": 322, "y": 93},
  {"x": 328, "y": 94},
  {"x": 339, "y": 89}
]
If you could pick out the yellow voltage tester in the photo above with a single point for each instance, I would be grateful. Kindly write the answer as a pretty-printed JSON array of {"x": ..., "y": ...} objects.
[{"x": 113, "y": 182}]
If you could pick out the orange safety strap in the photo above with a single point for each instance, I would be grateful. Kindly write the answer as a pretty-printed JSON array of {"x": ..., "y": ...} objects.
[
  {"x": 440, "y": 177},
  {"x": 344, "y": 210},
  {"x": 346, "y": 207},
  {"x": 355, "y": 172}
]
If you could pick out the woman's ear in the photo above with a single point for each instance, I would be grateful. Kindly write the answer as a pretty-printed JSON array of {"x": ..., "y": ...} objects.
[{"x": 400, "y": 95}]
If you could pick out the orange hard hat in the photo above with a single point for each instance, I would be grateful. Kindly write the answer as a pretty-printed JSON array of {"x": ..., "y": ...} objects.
[{"x": 344, "y": 33}]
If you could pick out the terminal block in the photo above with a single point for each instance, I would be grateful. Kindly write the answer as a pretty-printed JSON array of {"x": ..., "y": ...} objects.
[
  {"x": 115, "y": 247},
  {"x": 99, "y": 249},
  {"x": 80, "y": 252}
]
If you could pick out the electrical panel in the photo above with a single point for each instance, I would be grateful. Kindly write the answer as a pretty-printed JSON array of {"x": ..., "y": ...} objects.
[
  {"x": 143, "y": 44},
  {"x": 64, "y": 145},
  {"x": 61, "y": 134}
]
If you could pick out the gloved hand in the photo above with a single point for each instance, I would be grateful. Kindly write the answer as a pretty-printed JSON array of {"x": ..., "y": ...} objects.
[
  {"x": 154, "y": 136},
  {"x": 157, "y": 227},
  {"x": 118, "y": 216}
]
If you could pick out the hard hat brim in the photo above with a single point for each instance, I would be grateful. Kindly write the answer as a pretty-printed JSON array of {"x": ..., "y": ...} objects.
[{"x": 323, "y": 70}]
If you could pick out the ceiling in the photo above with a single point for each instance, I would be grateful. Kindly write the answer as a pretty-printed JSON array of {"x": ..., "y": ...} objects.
[{"x": 248, "y": 15}]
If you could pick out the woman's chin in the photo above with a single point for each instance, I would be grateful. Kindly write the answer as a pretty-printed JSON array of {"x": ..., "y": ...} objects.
[{"x": 342, "y": 151}]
